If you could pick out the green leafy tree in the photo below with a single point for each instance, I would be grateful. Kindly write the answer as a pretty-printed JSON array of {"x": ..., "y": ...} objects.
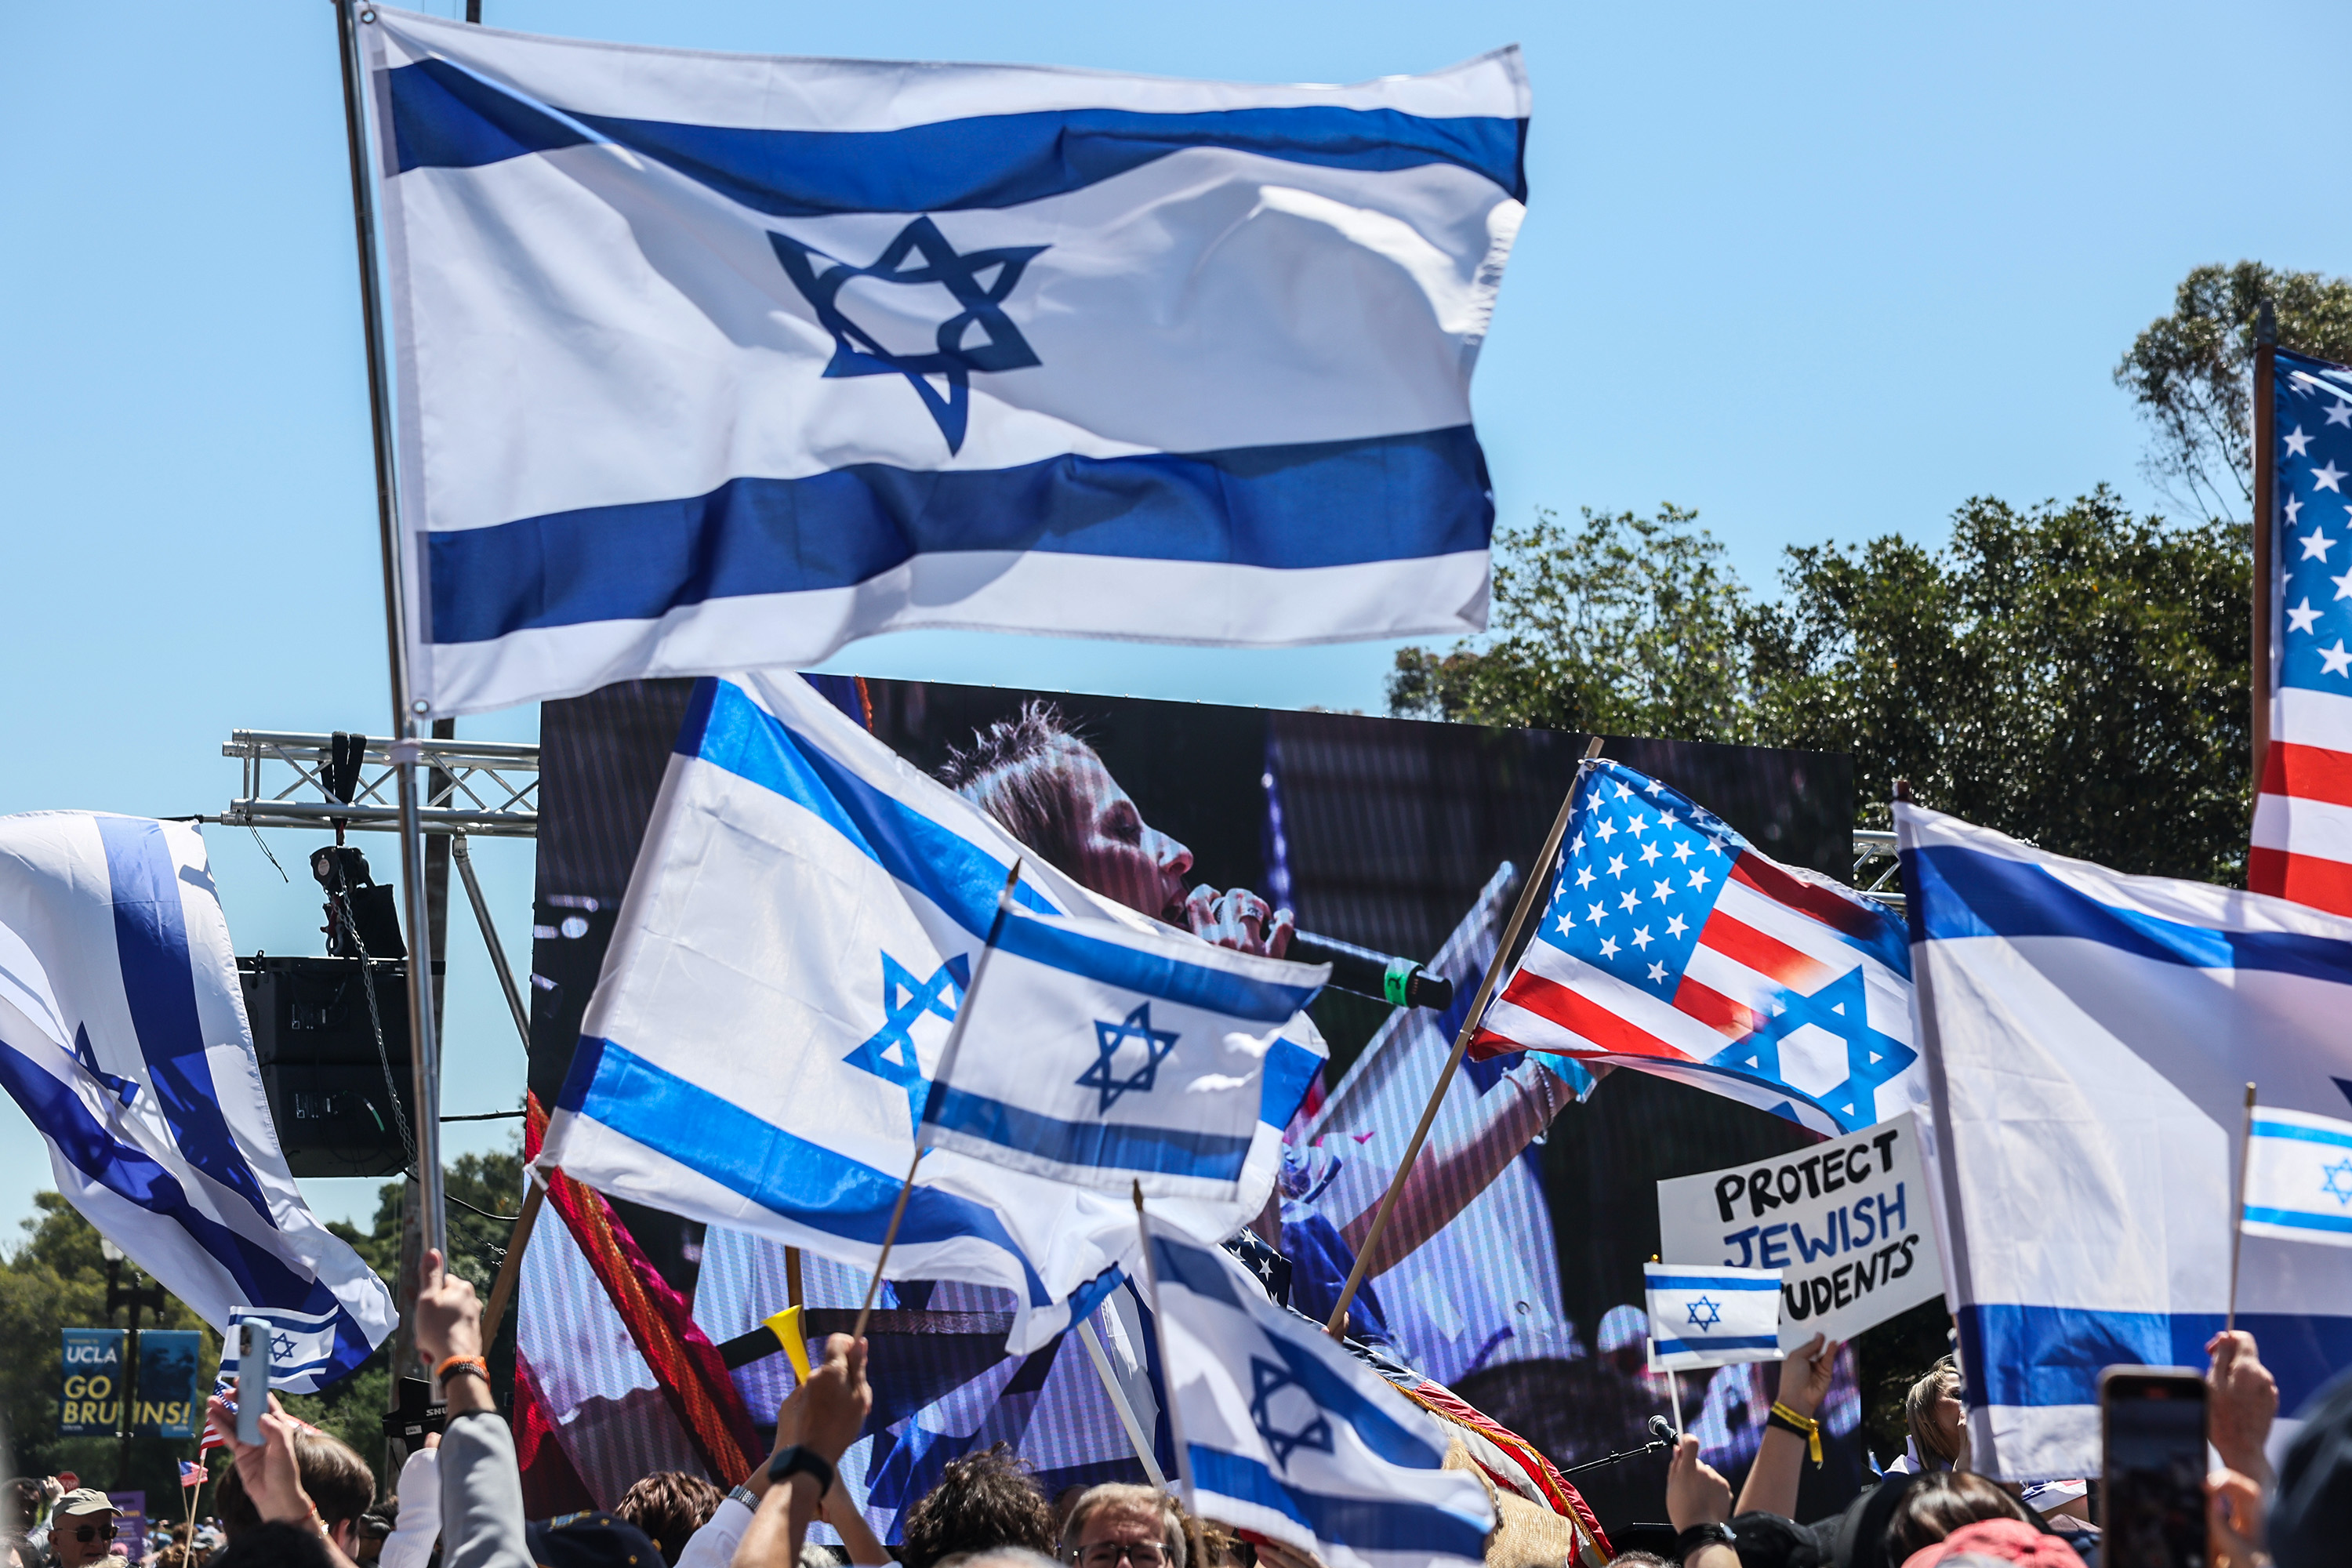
[
  {"x": 2074, "y": 675},
  {"x": 1619, "y": 624},
  {"x": 2191, "y": 373}
]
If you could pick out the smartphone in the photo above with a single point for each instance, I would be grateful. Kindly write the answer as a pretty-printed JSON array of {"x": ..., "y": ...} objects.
[
  {"x": 252, "y": 1379},
  {"x": 2152, "y": 1501}
]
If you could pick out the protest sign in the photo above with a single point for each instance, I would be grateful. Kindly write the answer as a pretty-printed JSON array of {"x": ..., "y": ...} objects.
[
  {"x": 1847, "y": 1219},
  {"x": 90, "y": 1395}
]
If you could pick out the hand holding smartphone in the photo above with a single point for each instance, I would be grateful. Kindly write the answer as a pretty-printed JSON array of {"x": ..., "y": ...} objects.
[
  {"x": 2152, "y": 1500},
  {"x": 252, "y": 1378}
]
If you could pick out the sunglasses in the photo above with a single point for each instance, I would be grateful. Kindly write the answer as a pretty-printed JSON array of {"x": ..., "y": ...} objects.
[{"x": 90, "y": 1532}]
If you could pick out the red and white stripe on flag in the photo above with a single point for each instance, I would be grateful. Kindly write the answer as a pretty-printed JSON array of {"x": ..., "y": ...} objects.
[{"x": 2302, "y": 842}]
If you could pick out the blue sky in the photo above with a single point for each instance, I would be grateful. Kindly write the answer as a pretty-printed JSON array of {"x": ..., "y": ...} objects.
[{"x": 1820, "y": 272}]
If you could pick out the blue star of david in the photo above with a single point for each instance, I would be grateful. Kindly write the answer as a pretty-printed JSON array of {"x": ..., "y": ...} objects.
[
  {"x": 1843, "y": 1008},
  {"x": 1713, "y": 1315},
  {"x": 1108, "y": 1038},
  {"x": 281, "y": 1346},
  {"x": 890, "y": 1053},
  {"x": 1266, "y": 1380},
  {"x": 2337, "y": 1184},
  {"x": 856, "y": 351}
]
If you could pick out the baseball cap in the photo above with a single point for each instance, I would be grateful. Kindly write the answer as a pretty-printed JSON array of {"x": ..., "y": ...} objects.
[{"x": 85, "y": 1500}]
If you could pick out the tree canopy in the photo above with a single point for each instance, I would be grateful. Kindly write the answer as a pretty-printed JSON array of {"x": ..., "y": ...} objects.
[
  {"x": 2071, "y": 674},
  {"x": 2192, "y": 374}
]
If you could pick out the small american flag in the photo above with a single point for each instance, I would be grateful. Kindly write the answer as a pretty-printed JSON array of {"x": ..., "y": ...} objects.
[
  {"x": 2302, "y": 816},
  {"x": 1671, "y": 945},
  {"x": 193, "y": 1475}
]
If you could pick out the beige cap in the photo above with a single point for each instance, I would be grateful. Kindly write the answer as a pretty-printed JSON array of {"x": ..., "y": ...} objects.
[{"x": 85, "y": 1500}]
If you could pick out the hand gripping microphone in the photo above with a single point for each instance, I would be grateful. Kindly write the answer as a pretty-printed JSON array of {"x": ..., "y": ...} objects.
[{"x": 1399, "y": 981}]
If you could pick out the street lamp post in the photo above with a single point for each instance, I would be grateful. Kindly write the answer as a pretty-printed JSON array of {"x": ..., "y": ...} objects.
[{"x": 134, "y": 1295}]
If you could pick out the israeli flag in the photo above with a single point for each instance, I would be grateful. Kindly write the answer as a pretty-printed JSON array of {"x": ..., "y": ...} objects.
[
  {"x": 2089, "y": 1036},
  {"x": 798, "y": 935},
  {"x": 1110, "y": 1058},
  {"x": 1281, "y": 1431},
  {"x": 1709, "y": 1315},
  {"x": 715, "y": 362},
  {"x": 2299, "y": 1177},
  {"x": 123, "y": 1037}
]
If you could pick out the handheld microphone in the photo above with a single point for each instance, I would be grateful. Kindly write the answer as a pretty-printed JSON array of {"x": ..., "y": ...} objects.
[
  {"x": 1399, "y": 981},
  {"x": 1660, "y": 1432}
]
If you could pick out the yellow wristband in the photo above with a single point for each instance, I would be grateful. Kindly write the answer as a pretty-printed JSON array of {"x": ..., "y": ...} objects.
[{"x": 1807, "y": 1426}]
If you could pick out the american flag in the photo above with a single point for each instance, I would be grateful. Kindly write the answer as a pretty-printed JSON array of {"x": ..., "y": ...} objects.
[
  {"x": 1671, "y": 945},
  {"x": 193, "y": 1475},
  {"x": 2303, "y": 817}
]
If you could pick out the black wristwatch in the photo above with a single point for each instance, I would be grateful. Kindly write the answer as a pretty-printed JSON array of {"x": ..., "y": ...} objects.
[
  {"x": 799, "y": 1461},
  {"x": 1699, "y": 1535}
]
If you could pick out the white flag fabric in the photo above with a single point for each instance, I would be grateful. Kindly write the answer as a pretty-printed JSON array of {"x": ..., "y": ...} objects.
[
  {"x": 798, "y": 933},
  {"x": 1284, "y": 1433},
  {"x": 2299, "y": 1178},
  {"x": 1710, "y": 1315},
  {"x": 1108, "y": 1056},
  {"x": 713, "y": 361},
  {"x": 2089, "y": 1037},
  {"x": 123, "y": 1037}
]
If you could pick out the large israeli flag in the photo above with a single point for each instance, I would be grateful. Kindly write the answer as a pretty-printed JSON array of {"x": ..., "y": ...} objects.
[
  {"x": 1284, "y": 1433},
  {"x": 2089, "y": 1036},
  {"x": 797, "y": 936},
  {"x": 123, "y": 1037},
  {"x": 714, "y": 362},
  {"x": 1113, "y": 1057}
]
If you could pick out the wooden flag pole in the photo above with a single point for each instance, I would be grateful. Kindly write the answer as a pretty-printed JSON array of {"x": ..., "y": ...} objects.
[
  {"x": 502, "y": 1289},
  {"x": 1538, "y": 877},
  {"x": 2238, "y": 1215},
  {"x": 947, "y": 1063}
]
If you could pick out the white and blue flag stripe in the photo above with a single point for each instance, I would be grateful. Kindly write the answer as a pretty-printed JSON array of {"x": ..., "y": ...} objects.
[
  {"x": 1286, "y": 1434},
  {"x": 1110, "y": 1057},
  {"x": 2299, "y": 1177},
  {"x": 2089, "y": 1037},
  {"x": 710, "y": 361},
  {"x": 797, "y": 936},
  {"x": 1712, "y": 1315},
  {"x": 123, "y": 1037}
]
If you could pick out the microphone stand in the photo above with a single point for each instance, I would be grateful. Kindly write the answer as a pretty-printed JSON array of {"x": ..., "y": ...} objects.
[{"x": 1655, "y": 1446}]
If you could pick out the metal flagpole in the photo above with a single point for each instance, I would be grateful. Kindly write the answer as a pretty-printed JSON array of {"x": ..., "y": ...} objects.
[
  {"x": 1538, "y": 877},
  {"x": 2265, "y": 536},
  {"x": 947, "y": 1061},
  {"x": 2238, "y": 1215},
  {"x": 408, "y": 721}
]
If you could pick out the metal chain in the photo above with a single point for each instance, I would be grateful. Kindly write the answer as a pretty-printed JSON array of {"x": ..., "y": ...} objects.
[{"x": 400, "y": 1119}]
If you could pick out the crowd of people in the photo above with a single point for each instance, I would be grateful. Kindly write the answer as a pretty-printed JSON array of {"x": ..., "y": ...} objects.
[{"x": 300, "y": 1498}]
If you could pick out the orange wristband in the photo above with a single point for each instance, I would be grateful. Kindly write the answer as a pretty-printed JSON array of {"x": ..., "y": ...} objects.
[{"x": 472, "y": 1363}]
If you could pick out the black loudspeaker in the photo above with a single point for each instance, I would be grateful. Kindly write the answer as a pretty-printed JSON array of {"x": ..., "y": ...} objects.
[{"x": 316, "y": 1043}]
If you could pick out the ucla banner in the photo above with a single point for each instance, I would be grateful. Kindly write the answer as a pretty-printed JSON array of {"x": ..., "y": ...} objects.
[
  {"x": 90, "y": 1388},
  {"x": 715, "y": 362},
  {"x": 163, "y": 1401}
]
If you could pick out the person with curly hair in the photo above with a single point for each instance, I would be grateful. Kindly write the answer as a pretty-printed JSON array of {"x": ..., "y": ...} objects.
[
  {"x": 984, "y": 1500},
  {"x": 669, "y": 1506}
]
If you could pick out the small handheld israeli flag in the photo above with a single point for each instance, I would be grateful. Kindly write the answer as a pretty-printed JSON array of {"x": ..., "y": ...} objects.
[
  {"x": 2299, "y": 1177},
  {"x": 1283, "y": 1432},
  {"x": 805, "y": 918},
  {"x": 1108, "y": 1056},
  {"x": 1707, "y": 1315},
  {"x": 123, "y": 1037}
]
